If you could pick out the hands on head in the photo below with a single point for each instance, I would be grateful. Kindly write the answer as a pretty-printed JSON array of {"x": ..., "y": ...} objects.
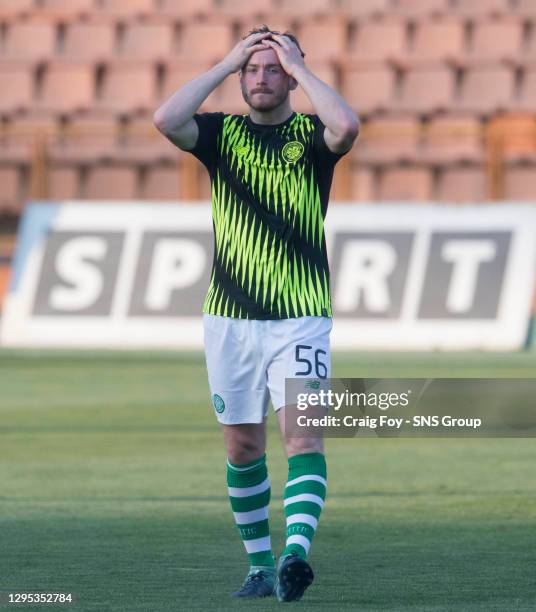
[
  {"x": 290, "y": 56},
  {"x": 288, "y": 53},
  {"x": 241, "y": 52}
]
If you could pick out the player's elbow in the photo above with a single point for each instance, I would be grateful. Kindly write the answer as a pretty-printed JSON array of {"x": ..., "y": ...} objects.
[
  {"x": 159, "y": 121},
  {"x": 351, "y": 129},
  {"x": 348, "y": 134}
]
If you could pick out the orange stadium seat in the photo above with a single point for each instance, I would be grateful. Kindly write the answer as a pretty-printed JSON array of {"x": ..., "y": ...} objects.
[
  {"x": 16, "y": 85},
  {"x": 453, "y": 138},
  {"x": 405, "y": 183},
  {"x": 363, "y": 184},
  {"x": 125, "y": 8},
  {"x": 420, "y": 8},
  {"x": 426, "y": 90},
  {"x": 529, "y": 52},
  {"x": 15, "y": 8},
  {"x": 66, "y": 8},
  {"x": 161, "y": 182},
  {"x": 462, "y": 184},
  {"x": 324, "y": 39},
  {"x": 378, "y": 41},
  {"x": 496, "y": 40},
  {"x": 111, "y": 182},
  {"x": 520, "y": 182},
  {"x": 437, "y": 41},
  {"x": 10, "y": 192},
  {"x": 370, "y": 90},
  {"x": 91, "y": 40},
  {"x": 185, "y": 8},
  {"x": 149, "y": 41},
  {"x": 517, "y": 135},
  {"x": 487, "y": 90},
  {"x": 247, "y": 9},
  {"x": 527, "y": 99},
  {"x": 480, "y": 8},
  {"x": 64, "y": 182},
  {"x": 31, "y": 40},
  {"x": 306, "y": 7},
  {"x": 389, "y": 139},
  {"x": 525, "y": 8},
  {"x": 128, "y": 87},
  {"x": 365, "y": 9},
  {"x": 87, "y": 139},
  {"x": 205, "y": 41},
  {"x": 143, "y": 144},
  {"x": 22, "y": 133},
  {"x": 68, "y": 87}
]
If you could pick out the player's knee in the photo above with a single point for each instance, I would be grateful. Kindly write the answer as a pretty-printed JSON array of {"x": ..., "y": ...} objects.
[
  {"x": 298, "y": 446},
  {"x": 243, "y": 451}
]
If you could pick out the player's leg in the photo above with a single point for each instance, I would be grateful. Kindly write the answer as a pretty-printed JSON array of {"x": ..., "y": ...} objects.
[
  {"x": 249, "y": 492},
  {"x": 239, "y": 397},
  {"x": 305, "y": 491}
]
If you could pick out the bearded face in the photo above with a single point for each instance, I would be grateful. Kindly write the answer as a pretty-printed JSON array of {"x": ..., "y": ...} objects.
[{"x": 264, "y": 83}]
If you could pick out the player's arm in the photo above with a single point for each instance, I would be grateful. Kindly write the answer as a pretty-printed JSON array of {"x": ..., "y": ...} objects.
[
  {"x": 175, "y": 117},
  {"x": 342, "y": 124}
]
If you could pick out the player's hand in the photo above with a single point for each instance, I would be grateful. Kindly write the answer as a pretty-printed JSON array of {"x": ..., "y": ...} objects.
[
  {"x": 242, "y": 51},
  {"x": 289, "y": 55}
]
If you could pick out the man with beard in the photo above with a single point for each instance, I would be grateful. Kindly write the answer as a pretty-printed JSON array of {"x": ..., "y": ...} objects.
[{"x": 267, "y": 312}]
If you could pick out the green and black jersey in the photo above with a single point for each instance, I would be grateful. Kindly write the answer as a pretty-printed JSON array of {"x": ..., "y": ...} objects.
[{"x": 270, "y": 190}]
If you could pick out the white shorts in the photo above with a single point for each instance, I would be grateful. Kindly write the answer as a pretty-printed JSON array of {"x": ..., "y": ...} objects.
[{"x": 249, "y": 359}]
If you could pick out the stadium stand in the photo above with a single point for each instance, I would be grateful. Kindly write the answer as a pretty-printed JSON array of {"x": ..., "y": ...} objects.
[
  {"x": 91, "y": 41},
  {"x": 147, "y": 41},
  {"x": 365, "y": 9},
  {"x": 461, "y": 183},
  {"x": 16, "y": 85},
  {"x": 525, "y": 8},
  {"x": 527, "y": 98},
  {"x": 67, "y": 87},
  {"x": 405, "y": 183},
  {"x": 110, "y": 182},
  {"x": 128, "y": 87},
  {"x": 30, "y": 40},
  {"x": 16, "y": 8},
  {"x": 420, "y": 8},
  {"x": 324, "y": 39},
  {"x": 495, "y": 41},
  {"x": 304, "y": 7},
  {"x": 436, "y": 41},
  {"x": 187, "y": 9},
  {"x": 66, "y": 9},
  {"x": 430, "y": 79},
  {"x": 480, "y": 8},
  {"x": 487, "y": 89},
  {"x": 122, "y": 8},
  {"x": 378, "y": 42},
  {"x": 371, "y": 89},
  {"x": 454, "y": 139},
  {"x": 391, "y": 140},
  {"x": 426, "y": 90}
]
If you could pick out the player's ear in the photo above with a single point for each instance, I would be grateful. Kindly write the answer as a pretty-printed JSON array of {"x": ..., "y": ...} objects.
[{"x": 292, "y": 83}]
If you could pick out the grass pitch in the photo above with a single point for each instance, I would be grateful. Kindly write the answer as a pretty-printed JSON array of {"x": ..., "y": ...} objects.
[{"x": 112, "y": 487}]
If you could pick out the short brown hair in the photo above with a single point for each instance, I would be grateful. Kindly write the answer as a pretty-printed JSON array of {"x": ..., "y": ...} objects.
[{"x": 265, "y": 29}]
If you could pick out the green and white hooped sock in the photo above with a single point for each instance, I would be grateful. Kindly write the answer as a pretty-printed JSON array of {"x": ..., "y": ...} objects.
[
  {"x": 249, "y": 492},
  {"x": 304, "y": 499}
]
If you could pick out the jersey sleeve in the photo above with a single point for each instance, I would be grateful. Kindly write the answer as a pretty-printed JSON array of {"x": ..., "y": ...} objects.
[
  {"x": 323, "y": 154},
  {"x": 206, "y": 147}
]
